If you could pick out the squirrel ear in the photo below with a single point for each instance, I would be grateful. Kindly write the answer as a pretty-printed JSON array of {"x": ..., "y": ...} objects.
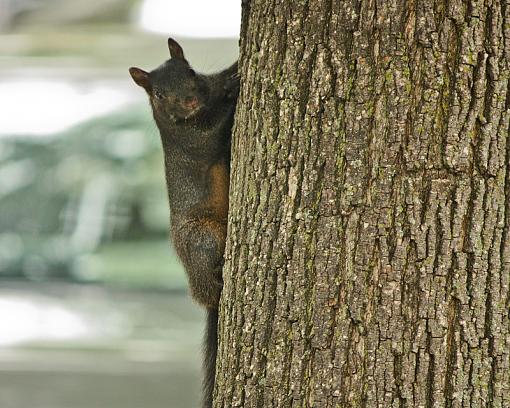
[
  {"x": 140, "y": 77},
  {"x": 175, "y": 49}
]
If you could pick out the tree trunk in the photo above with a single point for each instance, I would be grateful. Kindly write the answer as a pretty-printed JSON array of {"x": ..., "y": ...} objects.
[{"x": 368, "y": 253}]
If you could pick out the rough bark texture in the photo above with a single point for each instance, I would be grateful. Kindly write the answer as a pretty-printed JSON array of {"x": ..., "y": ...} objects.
[{"x": 368, "y": 253}]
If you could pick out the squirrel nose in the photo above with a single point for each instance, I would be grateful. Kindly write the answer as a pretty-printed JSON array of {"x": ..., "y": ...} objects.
[{"x": 191, "y": 102}]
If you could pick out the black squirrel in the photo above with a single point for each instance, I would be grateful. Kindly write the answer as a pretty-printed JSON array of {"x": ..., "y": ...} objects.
[{"x": 194, "y": 114}]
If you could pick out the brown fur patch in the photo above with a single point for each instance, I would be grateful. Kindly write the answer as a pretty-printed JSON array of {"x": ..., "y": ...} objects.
[{"x": 218, "y": 194}]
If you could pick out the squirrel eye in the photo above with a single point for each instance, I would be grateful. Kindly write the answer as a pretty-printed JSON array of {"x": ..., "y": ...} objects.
[{"x": 158, "y": 95}]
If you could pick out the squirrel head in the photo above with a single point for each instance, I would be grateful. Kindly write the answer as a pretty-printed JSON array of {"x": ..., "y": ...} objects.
[{"x": 175, "y": 90}]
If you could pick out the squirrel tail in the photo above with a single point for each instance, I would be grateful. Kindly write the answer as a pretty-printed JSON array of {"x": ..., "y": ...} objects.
[{"x": 210, "y": 351}]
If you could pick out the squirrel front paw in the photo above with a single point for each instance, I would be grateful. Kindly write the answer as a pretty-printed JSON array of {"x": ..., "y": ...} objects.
[{"x": 231, "y": 87}]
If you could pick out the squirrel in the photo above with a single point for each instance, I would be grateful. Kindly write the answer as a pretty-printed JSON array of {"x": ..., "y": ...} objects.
[{"x": 194, "y": 114}]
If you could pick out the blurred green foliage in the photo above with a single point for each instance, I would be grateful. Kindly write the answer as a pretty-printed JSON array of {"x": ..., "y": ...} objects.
[{"x": 88, "y": 204}]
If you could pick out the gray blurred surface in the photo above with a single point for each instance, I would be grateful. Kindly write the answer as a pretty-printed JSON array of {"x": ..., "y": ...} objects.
[{"x": 137, "y": 349}]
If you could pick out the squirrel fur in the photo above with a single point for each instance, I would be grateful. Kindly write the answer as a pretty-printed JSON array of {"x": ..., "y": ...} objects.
[{"x": 194, "y": 114}]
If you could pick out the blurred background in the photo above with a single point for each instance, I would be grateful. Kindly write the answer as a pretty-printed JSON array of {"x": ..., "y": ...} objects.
[{"x": 94, "y": 310}]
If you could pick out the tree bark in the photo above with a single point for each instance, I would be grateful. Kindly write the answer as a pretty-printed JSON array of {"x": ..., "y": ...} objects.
[{"x": 368, "y": 253}]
